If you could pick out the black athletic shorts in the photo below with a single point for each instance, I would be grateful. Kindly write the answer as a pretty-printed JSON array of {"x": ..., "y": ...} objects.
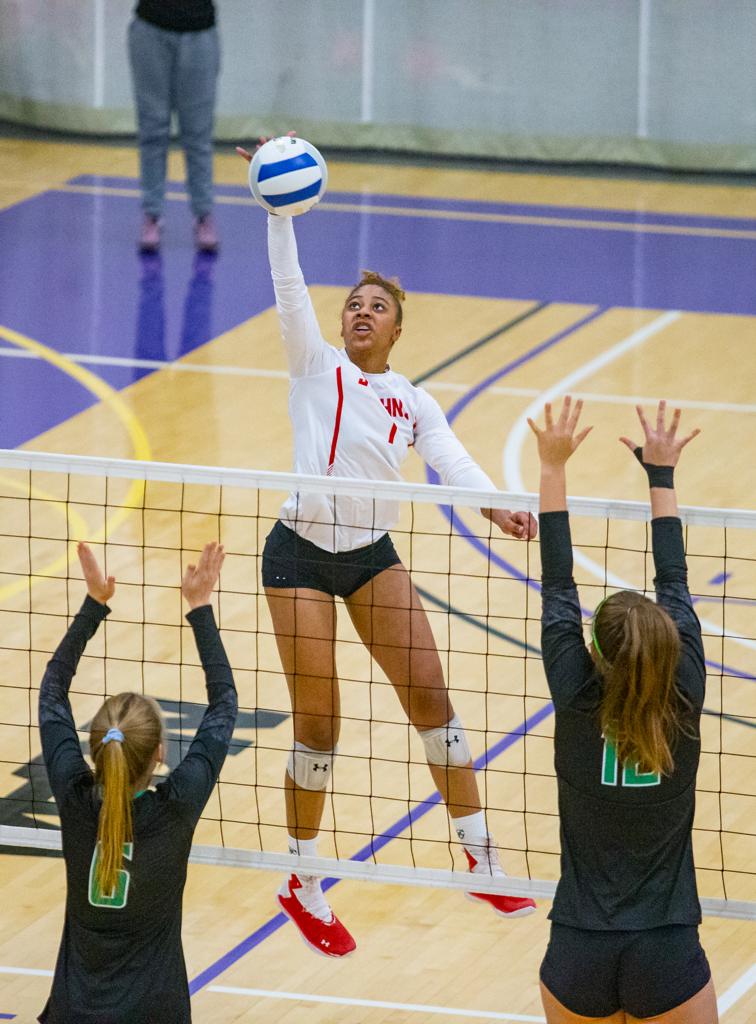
[
  {"x": 644, "y": 973},
  {"x": 292, "y": 561}
]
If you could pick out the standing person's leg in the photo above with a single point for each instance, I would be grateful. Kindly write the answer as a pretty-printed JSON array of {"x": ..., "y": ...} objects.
[
  {"x": 152, "y": 55},
  {"x": 304, "y": 623},
  {"x": 391, "y": 621},
  {"x": 197, "y": 74}
]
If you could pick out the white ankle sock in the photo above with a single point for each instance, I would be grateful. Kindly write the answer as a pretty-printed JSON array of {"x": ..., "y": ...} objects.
[
  {"x": 471, "y": 829},
  {"x": 309, "y": 894},
  {"x": 304, "y": 847}
]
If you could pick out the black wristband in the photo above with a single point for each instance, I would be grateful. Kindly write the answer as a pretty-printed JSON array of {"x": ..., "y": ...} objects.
[{"x": 658, "y": 476}]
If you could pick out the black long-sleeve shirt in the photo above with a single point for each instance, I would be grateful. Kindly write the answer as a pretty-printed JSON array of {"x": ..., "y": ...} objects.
[
  {"x": 123, "y": 963},
  {"x": 627, "y": 858},
  {"x": 178, "y": 15}
]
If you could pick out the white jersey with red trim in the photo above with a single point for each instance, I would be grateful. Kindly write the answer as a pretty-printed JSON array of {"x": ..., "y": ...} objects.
[{"x": 348, "y": 423}]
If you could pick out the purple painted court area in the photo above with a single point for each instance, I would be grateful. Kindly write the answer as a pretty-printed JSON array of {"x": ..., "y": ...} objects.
[{"x": 72, "y": 278}]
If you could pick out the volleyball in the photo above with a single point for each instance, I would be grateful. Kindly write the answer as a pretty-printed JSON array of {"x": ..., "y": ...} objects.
[{"x": 287, "y": 176}]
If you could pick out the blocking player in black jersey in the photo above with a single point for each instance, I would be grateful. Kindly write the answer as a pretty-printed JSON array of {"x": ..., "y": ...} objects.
[
  {"x": 624, "y": 940},
  {"x": 125, "y": 845}
]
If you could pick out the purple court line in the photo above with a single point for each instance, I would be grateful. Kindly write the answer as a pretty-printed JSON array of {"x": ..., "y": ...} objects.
[
  {"x": 366, "y": 853},
  {"x": 479, "y": 545},
  {"x": 622, "y": 217},
  {"x": 433, "y": 477}
]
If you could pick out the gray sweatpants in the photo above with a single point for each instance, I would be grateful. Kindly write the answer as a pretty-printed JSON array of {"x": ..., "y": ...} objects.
[{"x": 174, "y": 71}]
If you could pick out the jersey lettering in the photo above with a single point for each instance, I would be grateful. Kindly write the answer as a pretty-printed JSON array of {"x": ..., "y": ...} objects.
[
  {"x": 395, "y": 408},
  {"x": 118, "y": 898},
  {"x": 630, "y": 774}
]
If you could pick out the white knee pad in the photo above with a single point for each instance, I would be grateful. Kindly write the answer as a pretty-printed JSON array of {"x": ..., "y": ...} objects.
[
  {"x": 448, "y": 745},
  {"x": 310, "y": 769}
]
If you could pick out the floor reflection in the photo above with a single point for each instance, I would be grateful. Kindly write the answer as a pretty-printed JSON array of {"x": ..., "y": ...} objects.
[{"x": 153, "y": 340}]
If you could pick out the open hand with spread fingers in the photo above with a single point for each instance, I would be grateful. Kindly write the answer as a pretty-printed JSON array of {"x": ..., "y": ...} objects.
[
  {"x": 661, "y": 446},
  {"x": 199, "y": 580},
  {"x": 558, "y": 440},
  {"x": 99, "y": 586}
]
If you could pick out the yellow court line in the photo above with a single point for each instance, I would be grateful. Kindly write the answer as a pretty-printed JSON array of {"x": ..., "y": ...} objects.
[
  {"x": 108, "y": 396},
  {"x": 459, "y": 215}
]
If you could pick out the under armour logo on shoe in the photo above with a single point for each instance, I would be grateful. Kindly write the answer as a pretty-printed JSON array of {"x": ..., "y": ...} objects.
[{"x": 325, "y": 942}]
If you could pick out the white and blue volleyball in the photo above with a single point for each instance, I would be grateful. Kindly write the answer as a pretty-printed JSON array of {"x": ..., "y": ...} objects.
[{"x": 287, "y": 176}]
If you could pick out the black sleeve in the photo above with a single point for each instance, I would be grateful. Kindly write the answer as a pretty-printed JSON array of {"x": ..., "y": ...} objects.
[
  {"x": 60, "y": 744},
  {"x": 191, "y": 783},
  {"x": 672, "y": 594},
  {"x": 565, "y": 658}
]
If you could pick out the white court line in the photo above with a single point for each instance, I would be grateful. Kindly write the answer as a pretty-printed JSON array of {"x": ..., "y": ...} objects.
[
  {"x": 736, "y": 991},
  {"x": 36, "y": 971},
  {"x": 725, "y": 1002},
  {"x": 449, "y": 1011},
  {"x": 516, "y": 439},
  {"x": 151, "y": 364},
  {"x": 86, "y": 358},
  {"x": 598, "y": 397}
]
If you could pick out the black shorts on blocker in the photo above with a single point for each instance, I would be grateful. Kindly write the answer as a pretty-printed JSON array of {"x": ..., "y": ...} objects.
[
  {"x": 645, "y": 973},
  {"x": 292, "y": 561}
]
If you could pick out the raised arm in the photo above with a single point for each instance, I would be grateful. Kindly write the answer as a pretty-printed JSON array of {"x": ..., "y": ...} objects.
[
  {"x": 659, "y": 455},
  {"x": 192, "y": 781},
  {"x": 307, "y": 352},
  {"x": 61, "y": 749},
  {"x": 565, "y": 658}
]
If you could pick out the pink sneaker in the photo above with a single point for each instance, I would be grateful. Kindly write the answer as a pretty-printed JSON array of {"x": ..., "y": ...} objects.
[
  {"x": 488, "y": 864},
  {"x": 149, "y": 234},
  {"x": 205, "y": 233},
  {"x": 303, "y": 902}
]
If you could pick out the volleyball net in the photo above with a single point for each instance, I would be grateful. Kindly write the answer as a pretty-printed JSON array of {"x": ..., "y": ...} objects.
[{"x": 383, "y": 818}]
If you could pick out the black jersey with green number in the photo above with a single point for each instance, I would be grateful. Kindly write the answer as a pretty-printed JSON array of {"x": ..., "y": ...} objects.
[
  {"x": 120, "y": 958},
  {"x": 627, "y": 858}
]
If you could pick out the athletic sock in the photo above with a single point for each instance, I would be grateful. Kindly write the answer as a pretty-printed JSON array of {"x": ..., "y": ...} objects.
[
  {"x": 471, "y": 829},
  {"x": 309, "y": 893},
  {"x": 303, "y": 847}
]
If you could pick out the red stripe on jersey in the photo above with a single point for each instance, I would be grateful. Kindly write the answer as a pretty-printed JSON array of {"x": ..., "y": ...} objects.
[
  {"x": 337, "y": 422},
  {"x": 392, "y": 435}
]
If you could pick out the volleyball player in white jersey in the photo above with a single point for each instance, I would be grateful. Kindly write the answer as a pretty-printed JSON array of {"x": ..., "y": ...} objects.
[{"x": 353, "y": 416}]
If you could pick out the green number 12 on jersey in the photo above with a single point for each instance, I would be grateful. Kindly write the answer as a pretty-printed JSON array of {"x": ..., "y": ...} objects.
[{"x": 630, "y": 774}]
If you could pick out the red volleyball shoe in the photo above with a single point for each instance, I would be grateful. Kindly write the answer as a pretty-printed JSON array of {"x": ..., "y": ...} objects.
[
  {"x": 303, "y": 902},
  {"x": 484, "y": 860}
]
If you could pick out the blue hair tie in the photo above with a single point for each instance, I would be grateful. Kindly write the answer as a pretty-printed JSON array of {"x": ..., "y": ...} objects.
[{"x": 112, "y": 734}]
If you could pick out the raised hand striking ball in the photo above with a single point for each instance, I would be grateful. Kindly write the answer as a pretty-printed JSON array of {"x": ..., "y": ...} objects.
[{"x": 287, "y": 176}]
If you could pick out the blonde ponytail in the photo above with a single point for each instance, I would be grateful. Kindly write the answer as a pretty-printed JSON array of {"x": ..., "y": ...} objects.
[
  {"x": 638, "y": 649},
  {"x": 125, "y": 735},
  {"x": 114, "y": 825}
]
